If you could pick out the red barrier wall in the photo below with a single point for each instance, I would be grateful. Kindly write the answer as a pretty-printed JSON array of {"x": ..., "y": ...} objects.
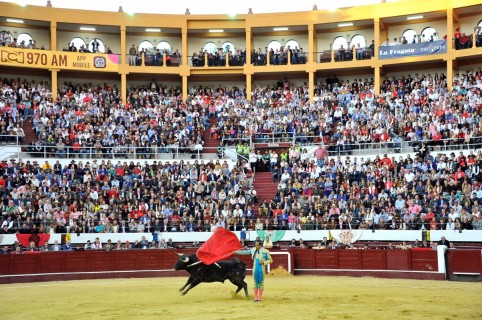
[
  {"x": 155, "y": 263},
  {"x": 464, "y": 261}
]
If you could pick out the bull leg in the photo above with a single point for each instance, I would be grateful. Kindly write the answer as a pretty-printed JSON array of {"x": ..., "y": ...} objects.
[
  {"x": 241, "y": 285},
  {"x": 192, "y": 285},
  {"x": 245, "y": 287},
  {"x": 187, "y": 283}
]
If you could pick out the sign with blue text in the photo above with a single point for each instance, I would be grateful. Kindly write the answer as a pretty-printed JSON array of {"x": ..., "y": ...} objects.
[{"x": 413, "y": 49}]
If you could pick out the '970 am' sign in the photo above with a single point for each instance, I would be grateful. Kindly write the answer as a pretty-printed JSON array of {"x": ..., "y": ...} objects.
[{"x": 58, "y": 60}]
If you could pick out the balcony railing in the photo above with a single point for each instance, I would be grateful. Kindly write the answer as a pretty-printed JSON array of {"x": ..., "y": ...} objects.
[
  {"x": 217, "y": 60},
  {"x": 360, "y": 148},
  {"x": 278, "y": 58},
  {"x": 342, "y": 55},
  {"x": 126, "y": 152},
  {"x": 154, "y": 60}
]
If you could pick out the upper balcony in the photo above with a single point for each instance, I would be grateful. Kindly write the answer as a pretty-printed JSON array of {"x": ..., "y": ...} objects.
[
  {"x": 344, "y": 44},
  {"x": 153, "y": 49},
  {"x": 216, "y": 49},
  {"x": 218, "y": 44}
]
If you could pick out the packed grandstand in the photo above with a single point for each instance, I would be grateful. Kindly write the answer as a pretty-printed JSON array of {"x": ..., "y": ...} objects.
[
  {"x": 316, "y": 190},
  {"x": 335, "y": 150}
]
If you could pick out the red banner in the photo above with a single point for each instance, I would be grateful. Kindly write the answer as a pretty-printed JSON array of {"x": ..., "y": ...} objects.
[
  {"x": 38, "y": 238},
  {"x": 220, "y": 246}
]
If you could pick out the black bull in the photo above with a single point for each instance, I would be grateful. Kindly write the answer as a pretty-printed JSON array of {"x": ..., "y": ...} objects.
[{"x": 232, "y": 270}]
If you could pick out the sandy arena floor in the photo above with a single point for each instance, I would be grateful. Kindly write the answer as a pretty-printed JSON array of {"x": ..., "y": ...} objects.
[{"x": 300, "y": 297}]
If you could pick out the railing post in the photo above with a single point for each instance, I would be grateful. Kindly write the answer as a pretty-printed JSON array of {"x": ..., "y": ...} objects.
[
  {"x": 227, "y": 59},
  {"x": 289, "y": 57},
  {"x": 143, "y": 56},
  {"x": 268, "y": 56},
  {"x": 164, "y": 60},
  {"x": 332, "y": 53},
  {"x": 205, "y": 59}
]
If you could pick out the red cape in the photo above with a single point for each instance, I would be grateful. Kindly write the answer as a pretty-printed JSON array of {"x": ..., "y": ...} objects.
[{"x": 220, "y": 246}]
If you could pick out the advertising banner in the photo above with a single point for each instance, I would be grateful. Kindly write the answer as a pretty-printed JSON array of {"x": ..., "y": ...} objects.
[
  {"x": 63, "y": 60},
  {"x": 413, "y": 49}
]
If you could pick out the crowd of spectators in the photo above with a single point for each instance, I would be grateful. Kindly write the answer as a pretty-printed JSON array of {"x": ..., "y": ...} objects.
[
  {"x": 153, "y": 57},
  {"x": 430, "y": 191},
  {"x": 278, "y": 56},
  {"x": 347, "y": 115},
  {"x": 94, "y": 47},
  {"x": 90, "y": 121},
  {"x": 15, "y": 106},
  {"x": 436, "y": 191},
  {"x": 464, "y": 41},
  {"x": 219, "y": 58},
  {"x": 7, "y": 40}
]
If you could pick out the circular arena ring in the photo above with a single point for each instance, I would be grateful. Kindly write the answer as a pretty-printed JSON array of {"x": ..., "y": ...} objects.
[{"x": 286, "y": 297}]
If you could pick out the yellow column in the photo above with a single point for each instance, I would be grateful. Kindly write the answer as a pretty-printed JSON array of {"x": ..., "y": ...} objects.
[
  {"x": 123, "y": 44},
  {"x": 55, "y": 83},
  {"x": 450, "y": 30},
  {"x": 249, "y": 46},
  {"x": 382, "y": 36},
  {"x": 184, "y": 88},
  {"x": 312, "y": 44},
  {"x": 53, "y": 36},
  {"x": 184, "y": 53},
  {"x": 376, "y": 34},
  {"x": 249, "y": 86},
  {"x": 311, "y": 84},
  {"x": 450, "y": 74},
  {"x": 124, "y": 87},
  {"x": 377, "y": 80}
]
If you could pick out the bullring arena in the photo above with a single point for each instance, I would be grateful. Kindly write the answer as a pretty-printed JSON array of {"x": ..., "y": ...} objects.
[{"x": 346, "y": 137}]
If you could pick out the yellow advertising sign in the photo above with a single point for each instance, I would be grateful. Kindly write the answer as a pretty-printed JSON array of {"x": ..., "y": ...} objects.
[{"x": 17, "y": 57}]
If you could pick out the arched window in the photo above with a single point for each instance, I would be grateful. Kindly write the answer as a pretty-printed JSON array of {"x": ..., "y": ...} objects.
[
  {"x": 25, "y": 38},
  {"x": 293, "y": 44},
  {"x": 78, "y": 43},
  {"x": 338, "y": 42},
  {"x": 164, "y": 46},
  {"x": 276, "y": 45},
  {"x": 410, "y": 35},
  {"x": 358, "y": 40},
  {"x": 228, "y": 46},
  {"x": 99, "y": 44},
  {"x": 210, "y": 47},
  {"x": 145, "y": 45},
  {"x": 6, "y": 36},
  {"x": 480, "y": 24},
  {"x": 427, "y": 33}
]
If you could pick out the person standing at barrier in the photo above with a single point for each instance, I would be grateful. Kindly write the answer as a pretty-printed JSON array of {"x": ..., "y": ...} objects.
[
  {"x": 133, "y": 55},
  {"x": 261, "y": 258}
]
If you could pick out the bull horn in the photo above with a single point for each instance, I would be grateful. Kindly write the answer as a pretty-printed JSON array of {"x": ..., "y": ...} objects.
[
  {"x": 185, "y": 260},
  {"x": 180, "y": 254}
]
